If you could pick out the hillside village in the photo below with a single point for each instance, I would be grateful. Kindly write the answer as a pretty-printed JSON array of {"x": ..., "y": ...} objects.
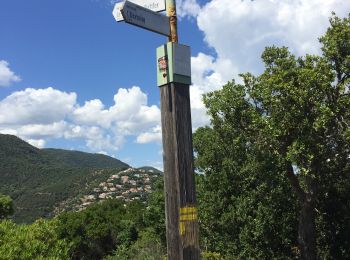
[{"x": 127, "y": 185}]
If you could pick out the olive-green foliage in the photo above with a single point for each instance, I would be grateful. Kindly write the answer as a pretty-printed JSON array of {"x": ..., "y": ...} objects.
[
  {"x": 38, "y": 180},
  {"x": 276, "y": 142},
  {"x": 155, "y": 214},
  {"x": 246, "y": 208},
  {"x": 334, "y": 201},
  {"x": 36, "y": 241},
  {"x": 211, "y": 256},
  {"x": 96, "y": 231},
  {"x": 105, "y": 227},
  {"x": 6, "y": 206},
  {"x": 150, "y": 227},
  {"x": 147, "y": 247}
]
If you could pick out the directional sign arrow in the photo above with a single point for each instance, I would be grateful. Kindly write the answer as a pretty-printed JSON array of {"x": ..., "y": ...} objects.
[
  {"x": 145, "y": 18},
  {"x": 154, "y": 5}
]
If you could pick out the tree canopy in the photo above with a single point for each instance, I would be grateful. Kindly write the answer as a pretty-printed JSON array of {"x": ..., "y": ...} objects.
[{"x": 279, "y": 146}]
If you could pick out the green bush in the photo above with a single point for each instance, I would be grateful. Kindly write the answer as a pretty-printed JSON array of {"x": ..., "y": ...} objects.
[{"x": 36, "y": 241}]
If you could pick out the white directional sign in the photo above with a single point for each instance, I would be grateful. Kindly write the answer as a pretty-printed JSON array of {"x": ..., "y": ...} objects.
[
  {"x": 154, "y": 5},
  {"x": 145, "y": 18}
]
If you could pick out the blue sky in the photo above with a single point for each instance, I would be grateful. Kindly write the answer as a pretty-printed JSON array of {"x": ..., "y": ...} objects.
[{"x": 71, "y": 77}]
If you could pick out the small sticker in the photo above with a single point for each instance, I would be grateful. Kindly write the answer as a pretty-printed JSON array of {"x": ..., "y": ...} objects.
[{"x": 163, "y": 63}]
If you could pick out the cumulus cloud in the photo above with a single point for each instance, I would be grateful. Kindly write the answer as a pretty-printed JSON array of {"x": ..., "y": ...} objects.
[
  {"x": 54, "y": 130},
  {"x": 131, "y": 112},
  {"x": 208, "y": 74},
  {"x": 92, "y": 113},
  {"x": 36, "y": 106},
  {"x": 153, "y": 135},
  {"x": 105, "y": 141},
  {"x": 6, "y": 75},
  {"x": 39, "y": 143},
  {"x": 38, "y": 115},
  {"x": 239, "y": 30}
]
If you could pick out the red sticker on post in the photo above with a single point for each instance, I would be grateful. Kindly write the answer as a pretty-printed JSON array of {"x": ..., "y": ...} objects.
[{"x": 163, "y": 63}]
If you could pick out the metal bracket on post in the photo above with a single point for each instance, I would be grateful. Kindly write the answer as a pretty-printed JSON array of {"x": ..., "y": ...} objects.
[{"x": 171, "y": 13}]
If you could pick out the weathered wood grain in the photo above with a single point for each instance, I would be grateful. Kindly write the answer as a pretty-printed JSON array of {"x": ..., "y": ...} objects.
[{"x": 182, "y": 236}]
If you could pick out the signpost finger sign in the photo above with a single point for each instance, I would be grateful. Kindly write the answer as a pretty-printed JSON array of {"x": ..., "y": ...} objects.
[
  {"x": 154, "y": 5},
  {"x": 145, "y": 18}
]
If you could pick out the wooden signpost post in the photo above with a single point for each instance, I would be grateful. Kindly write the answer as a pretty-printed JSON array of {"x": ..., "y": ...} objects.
[{"x": 173, "y": 79}]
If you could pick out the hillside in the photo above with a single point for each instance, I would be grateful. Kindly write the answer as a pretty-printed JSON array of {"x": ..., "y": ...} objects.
[
  {"x": 38, "y": 180},
  {"x": 81, "y": 159},
  {"x": 126, "y": 185}
]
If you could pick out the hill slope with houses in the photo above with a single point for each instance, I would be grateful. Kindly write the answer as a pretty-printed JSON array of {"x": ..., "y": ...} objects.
[{"x": 44, "y": 182}]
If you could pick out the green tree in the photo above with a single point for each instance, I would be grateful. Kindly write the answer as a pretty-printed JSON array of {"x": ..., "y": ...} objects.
[
  {"x": 246, "y": 208},
  {"x": 96, "y": 231},
  {"x": 155, "y": 214},
  {"x": 292, "y": 121},
  {"x": 6, "y": 206},
  {"x": 147, "y": 247}
]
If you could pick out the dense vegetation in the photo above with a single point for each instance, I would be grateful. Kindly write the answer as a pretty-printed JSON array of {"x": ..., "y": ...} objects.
[
  {"x": 130, "y": 231},
  {"x": 38, "y": 180},
  {"x": 36, "y": 241},
  {"x": 276, "y": 159}
]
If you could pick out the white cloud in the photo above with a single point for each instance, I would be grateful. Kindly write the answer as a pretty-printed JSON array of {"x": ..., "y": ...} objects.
[
  {"x": 106, "y": 142},
  {"x": 44, "y": 114},
  {"x": 239, "y": 30},
  {"x": 8, "y": 131},
  {"x": 36, "y": 106},
  {"x": 6, "y": 75},
  {"x": 96, "y": 138},
  {"x": 153, "y": 135},
  {"x": 198, "y": 110},
  {"x": 131, "y": 112},
  {"x": 92, "y": 113},
  {"x": 208, "y": 74},
  {"x": 39, "y": 143},
  {"x": 54, "y": 130}
]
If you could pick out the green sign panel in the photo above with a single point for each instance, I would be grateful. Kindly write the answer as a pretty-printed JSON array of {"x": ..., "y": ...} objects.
[{"x": 173, "y": 64}]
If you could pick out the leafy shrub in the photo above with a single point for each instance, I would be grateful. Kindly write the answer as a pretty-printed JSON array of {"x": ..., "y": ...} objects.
[{"x": 36, "y": 241}]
